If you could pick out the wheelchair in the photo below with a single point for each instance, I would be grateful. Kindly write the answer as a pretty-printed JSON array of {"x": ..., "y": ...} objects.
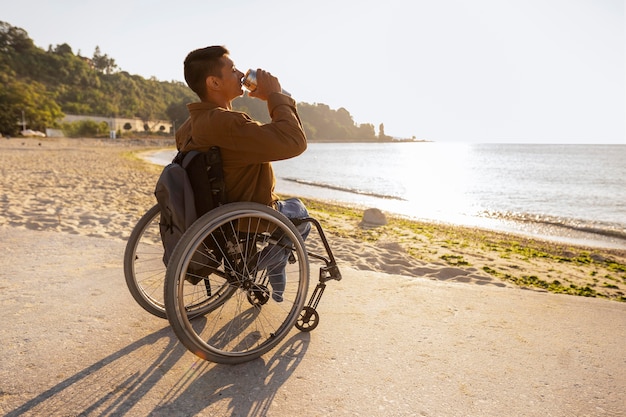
[{"x": 235, "y": 285}]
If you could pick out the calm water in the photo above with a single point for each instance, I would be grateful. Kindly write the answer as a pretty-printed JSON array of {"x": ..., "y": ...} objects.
[{"x": 567, "y": 192}]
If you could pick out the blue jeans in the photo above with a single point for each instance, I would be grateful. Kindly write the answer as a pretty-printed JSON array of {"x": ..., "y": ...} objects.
[{"x": 276, "y": 256}]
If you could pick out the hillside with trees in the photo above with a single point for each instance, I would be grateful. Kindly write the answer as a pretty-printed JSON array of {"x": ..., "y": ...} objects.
[{"x": 41, "y": 86}]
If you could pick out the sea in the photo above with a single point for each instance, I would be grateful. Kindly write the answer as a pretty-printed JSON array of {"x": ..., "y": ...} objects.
[{"x": 567, "y": 193}]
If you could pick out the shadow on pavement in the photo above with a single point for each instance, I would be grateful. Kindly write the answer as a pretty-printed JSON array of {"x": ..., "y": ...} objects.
[{"x": 157, "y": 376}]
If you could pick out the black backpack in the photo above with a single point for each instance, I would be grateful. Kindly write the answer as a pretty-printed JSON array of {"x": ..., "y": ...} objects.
[{"x": 190, "y": 186}]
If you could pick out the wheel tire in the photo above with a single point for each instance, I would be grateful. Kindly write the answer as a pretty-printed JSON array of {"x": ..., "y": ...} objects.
[
  {"x": 235, "y": 330},
  {"x": 144, "y": 269}
]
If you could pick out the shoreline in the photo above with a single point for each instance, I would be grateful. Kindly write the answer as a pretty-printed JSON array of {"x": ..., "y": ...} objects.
[
  {"x": 569, "y": 231},
  {"x": 487, "y": 256},
  {"x": 100, "y": 188}
]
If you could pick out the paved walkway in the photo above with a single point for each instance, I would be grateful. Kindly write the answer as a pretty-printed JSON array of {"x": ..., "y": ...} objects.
[{"x": 74, "y": 343}]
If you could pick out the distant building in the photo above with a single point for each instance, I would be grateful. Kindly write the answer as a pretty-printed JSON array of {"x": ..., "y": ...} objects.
[{"x": 118, "y": 123}]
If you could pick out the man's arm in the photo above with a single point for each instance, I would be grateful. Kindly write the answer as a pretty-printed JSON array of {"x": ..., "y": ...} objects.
[{"x": 183, "y": 134}]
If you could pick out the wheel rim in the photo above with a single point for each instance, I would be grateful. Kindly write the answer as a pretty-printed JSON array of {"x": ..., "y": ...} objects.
[
  {"x": 247, "y": 322},
  {"x": 143, "y": 261}
]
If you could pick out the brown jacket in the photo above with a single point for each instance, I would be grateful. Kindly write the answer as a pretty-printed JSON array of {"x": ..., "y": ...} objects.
[{"x": 247, "y": 146}]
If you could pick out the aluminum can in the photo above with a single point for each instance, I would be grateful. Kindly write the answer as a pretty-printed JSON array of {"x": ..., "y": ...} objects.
[{"x": 249, "y": 82}]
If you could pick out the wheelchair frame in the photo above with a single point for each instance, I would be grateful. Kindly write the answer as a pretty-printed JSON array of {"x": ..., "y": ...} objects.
[{"x": 145, "y": 277}]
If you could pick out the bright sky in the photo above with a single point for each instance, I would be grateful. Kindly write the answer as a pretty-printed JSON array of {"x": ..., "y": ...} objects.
[{"x": 453, "y": 70}]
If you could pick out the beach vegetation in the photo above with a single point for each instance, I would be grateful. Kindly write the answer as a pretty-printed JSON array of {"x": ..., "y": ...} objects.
[
  {"x": 85, "y": 128},
  {"x": 533, "y": 281},
  {"x": 554, "y": 267},
  {"x": 615, "y": 266},
  {"x": 455, "y": 260}
]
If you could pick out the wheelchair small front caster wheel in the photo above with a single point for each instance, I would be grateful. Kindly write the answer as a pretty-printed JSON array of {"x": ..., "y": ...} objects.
[{"x": 308, "y": 320}]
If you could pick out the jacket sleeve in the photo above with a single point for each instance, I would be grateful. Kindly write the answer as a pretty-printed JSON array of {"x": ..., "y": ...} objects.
[
  {"x": 183, "y": 134},
  {"x": 283, "y": 138}
]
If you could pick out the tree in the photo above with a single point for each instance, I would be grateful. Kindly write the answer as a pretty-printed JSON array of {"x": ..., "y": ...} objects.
[
  {"x": 366, "y": 130},
  {"x": 103, "y": 63},
  {"x": 309, "y": 130},
  {"x": 85, "y": 128},
  {"x": 344, "y": 117},
  {"x": 256, "y": 109},
  {"x": 177, "y": 113},
  {"x": 63, "y": 49},
  {"x": 45, "y": 83},
  {"x": 14, "y": 39},
  {"x": 40, "y": 110}
]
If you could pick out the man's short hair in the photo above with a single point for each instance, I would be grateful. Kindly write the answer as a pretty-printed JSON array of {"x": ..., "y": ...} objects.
[{"x": 201, "y": 64}]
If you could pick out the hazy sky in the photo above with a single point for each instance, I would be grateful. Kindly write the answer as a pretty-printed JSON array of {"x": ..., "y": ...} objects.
[{"x": 451, "y": 70}]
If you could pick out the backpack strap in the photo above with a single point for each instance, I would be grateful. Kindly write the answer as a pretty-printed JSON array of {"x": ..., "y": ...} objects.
[
  {"x": 213, "y": 159},
  {"x": 180, "y": 155}
]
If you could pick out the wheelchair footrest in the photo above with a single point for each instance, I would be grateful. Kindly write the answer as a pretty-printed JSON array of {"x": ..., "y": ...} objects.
[{"x": 330, "y": 272}]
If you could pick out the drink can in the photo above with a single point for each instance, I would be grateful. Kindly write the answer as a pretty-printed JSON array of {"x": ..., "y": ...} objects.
[{"x": 249, "y": 82}]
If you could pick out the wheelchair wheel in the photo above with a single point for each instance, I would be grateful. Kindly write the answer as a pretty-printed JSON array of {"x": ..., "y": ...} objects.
[
  {"x": 143, "y": 263},
  {"x": 144, "y": 270},
  {"x": 245, "y": 245}
]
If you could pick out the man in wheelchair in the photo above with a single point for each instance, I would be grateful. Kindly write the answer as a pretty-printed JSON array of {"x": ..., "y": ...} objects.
[{"x": 247, "y": 147}]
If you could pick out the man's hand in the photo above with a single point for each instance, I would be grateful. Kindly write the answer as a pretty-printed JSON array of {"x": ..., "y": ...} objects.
[{"x": 266, "y": 84}]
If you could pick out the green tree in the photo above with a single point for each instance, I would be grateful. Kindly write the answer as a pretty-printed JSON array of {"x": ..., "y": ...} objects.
[
  {"x": 38, "y": 108},
  {"x": 103, "y": 63},
  {"x": 177, "y": 113},
  {"x": 46, "y": 83},
  {"x": 63, "y": 49},
  {"x": 255, "y": 108},
  {"x": 14, "y": 39},
  {"x": 85, "y": 129}
]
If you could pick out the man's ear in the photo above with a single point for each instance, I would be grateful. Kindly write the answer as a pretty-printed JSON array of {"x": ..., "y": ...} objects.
[{"x": 213, "y": 83}]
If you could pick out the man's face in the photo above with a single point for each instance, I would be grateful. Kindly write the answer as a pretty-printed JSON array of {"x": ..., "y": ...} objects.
[{"x": 231, "y": 78}]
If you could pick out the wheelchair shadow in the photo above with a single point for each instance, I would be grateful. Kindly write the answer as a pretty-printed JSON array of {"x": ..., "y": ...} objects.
[
  {"x": 238, "y": 390},
  {"x": 157, "y": 376}
]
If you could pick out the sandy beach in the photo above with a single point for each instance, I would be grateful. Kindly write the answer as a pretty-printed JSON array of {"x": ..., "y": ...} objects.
[{"x": 429, "y": 320}]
